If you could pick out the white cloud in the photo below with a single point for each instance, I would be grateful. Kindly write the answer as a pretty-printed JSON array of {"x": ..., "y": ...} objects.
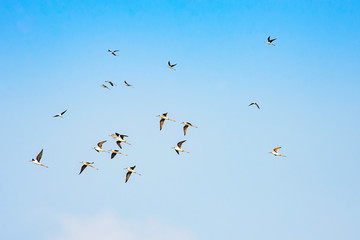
[{"x": 106, "y": 226}]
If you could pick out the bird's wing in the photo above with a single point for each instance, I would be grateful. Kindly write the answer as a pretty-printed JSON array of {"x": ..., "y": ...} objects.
[
  {"x": 257, "y": 105},
  {"x": 111, "y": 83},
  {"x": 177, "y": 151},
  {"x": 173, "y": 65},
  {"x": 161, "y": 123},
  {"x": 82, "y": 168},
  {"x": 113, "y": 155},
  {"x": 269, "y": 39},
  {"x": 169, "y": 63},
  {"x": 119, "y": 144},
  {"x": 39, "y": 156},
  {"x": 116, "y": 50},
  {"x": 56, "y": 115},
  {"x": 117, "y": 134},
  {"x": 273, "y": 39},
  {"x": 185, "y": 129},
  {"x": 122, "y": 136},
  {"x": 180, "y": 143},
  {"x": 133, "y": 167},
  {"x": 127, "y": 176},
  {"x": 164, "y": 114},
  {"x": 251, "y": 104},
  {"x": 125, "y": 82},
  {"x": 109, "y": 50},
  {"x": 63, "y": 112},
  {"x": 101, "y": 143},
  {"x": 276, "y": 149}
]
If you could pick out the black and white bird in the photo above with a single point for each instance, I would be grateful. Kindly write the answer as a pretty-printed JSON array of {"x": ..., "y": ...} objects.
[
  {"x": 128, "y": 85},
  {"x": 61, "y": 114},
  {"x": 130, "y": 171},
  {"x": 254, "y": 103},
  {"x": 163, "y": 118},
  {"x": 269, "y": 41},
  {"x": 111, "y": 83},
  {"x": 115, "y": 152},
  {"x": 38, "y": 158},
  {"x": 120, "y": 139},
  {"x": 171, "y": 65},
  {"x": 113, "y": 52},
  {"x": 99, "y": 147},
  {"x": 178, "y": 147},
  {"x": 85, "y": 164},
  {"x": 275, "y": 152},
  {"x": 187, "y": 124}
]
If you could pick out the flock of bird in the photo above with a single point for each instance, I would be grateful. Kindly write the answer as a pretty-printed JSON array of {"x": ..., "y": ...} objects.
[{"x": 121, "y": 138}]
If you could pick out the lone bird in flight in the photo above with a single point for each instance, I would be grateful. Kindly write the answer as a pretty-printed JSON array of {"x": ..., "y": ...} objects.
[
  {"x": 113, "y": 52},
  {"x": 254, "y": 103},
  {"x": 171, "y": 65},
  {"x": 38, "y": 158},
  {"x": 115, "y": 152},
  {"x": 85, "y": 164},
  {"x": 111, "y": 83},
  {"x": 275, "y": 152},
  {"x": 99, "y": 147},
  {"x": 130, "y": 171},
  {"x": 61, "y": 114},
  {"x": 119, "y": 138},
  {"x": 270, "y": 41},
  {"x": 104, "y": 86},
  {"x": 128, "y": 85},
  {"x": 163, "y": 118},
  {"x": 178, "y": 147},
  {"x": 187, "y": 124}
]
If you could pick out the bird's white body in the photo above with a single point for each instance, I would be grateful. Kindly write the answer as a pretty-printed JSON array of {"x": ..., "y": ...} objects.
[
  {"x": 100, "y": 149},
  {"x": 120, "y": 138},
  {"x": 117, "y": 137},
  {"x": 37, "y": 163},
  {"x": 178, "y": 147},
  {"x": 275, "y": 152}
]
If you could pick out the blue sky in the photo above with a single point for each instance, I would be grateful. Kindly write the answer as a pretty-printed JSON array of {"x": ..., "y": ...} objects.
[{"x": 54, "y": 57}]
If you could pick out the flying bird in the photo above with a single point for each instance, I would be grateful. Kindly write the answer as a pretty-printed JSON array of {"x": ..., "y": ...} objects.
[
  {"x": 111, "y": 83},
  {"x": 104, "y": 86},
  {"x": 120, "y": 139},
  {"x": 113, "y": 52},
  {"x": 85, "y": 164},
  {"x": 269, "y": 41},
  {"x": 178, "y": 147},
  {"x": 163, "y": 118},
  {"x": 130, "y": 171},
  {"x": 115, "y": 152},
  {"x": 128, "y": 85},
  {"x": 171, "y": 65},
  {"x": 187, "y": 124},
  {"x": 254, "y": 103},
  {"x": 38, "y": 158},
  {"x": 99, "y": 147},
  {"x": 275, "y": 152},
  {"x": 61, "y": 114}
]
